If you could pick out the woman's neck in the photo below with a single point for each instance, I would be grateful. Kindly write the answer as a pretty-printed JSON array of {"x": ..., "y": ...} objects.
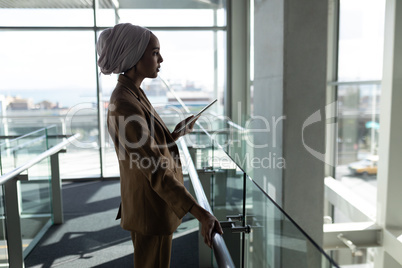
[{"x": 131, "y": 74}]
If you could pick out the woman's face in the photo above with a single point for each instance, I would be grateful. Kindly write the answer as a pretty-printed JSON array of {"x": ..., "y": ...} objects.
[{"x": 149, "y": 64}]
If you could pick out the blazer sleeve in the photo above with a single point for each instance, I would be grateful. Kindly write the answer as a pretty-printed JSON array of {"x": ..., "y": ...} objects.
[{"x": 135, "y": 139}]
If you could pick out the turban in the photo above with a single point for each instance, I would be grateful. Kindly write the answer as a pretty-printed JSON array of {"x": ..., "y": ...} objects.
[{"x": 121, "y": 47}]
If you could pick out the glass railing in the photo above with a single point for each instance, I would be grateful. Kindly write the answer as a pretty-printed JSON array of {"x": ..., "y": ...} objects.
[
  {"x": 28, "y": 190},
  {"x": 275, "y": 239},
  {"x": 260, "y": 233}
]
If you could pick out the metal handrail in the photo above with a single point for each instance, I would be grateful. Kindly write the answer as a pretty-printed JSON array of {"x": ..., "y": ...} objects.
[
  {"x": 10, "y": 175},
  {"x": 221, "y": 252},
  {"x": 363, "y": 82},
  {"x": 20, "y": 146},
  {"x": 33, "y": 132}
]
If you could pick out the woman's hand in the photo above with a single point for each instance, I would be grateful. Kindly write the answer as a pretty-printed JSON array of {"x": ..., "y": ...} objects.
[
  {"x": 177, "y": 134},
  {"x": 209, "y": 224}
]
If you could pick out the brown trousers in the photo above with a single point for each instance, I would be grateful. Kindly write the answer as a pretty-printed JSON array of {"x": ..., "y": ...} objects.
[{"x": 151, "y": 251}]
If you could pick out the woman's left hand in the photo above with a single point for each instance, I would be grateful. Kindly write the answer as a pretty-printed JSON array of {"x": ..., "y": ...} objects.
[{"x": 177, "y": 134}]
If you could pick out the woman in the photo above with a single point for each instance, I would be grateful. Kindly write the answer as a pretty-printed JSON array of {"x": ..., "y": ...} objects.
[{"x": 153, "y": 197}]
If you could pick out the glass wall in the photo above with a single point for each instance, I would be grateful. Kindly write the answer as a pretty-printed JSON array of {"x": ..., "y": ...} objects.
[
  {"x": 358, "y": 92},
  {"x": 358, "y": 95},
  {"x": 49, "y": 73}
]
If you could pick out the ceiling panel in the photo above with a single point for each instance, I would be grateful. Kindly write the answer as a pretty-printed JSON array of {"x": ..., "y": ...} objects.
[
  {"x": 53, "y": 4},
  {"x": 129, "y": 4}
]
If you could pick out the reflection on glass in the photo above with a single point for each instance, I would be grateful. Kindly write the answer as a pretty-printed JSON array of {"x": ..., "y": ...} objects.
[{"x": 275, "y": 240}]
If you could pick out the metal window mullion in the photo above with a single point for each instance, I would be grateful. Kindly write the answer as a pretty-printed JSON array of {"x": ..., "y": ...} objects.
[
  {"x": 332, "y": 96},
  {"x": 98, "y": 93},
  {"x": 99, "y": 28}
]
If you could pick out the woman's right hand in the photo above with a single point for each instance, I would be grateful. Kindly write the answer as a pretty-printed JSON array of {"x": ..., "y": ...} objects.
[
  {"x": 177, "y": 134},
  {"x": 209, "y": 223}
]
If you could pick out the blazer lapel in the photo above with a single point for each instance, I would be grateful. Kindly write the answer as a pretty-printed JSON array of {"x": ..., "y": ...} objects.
[
  {"x": 144, "y": 102},
  {"x": 155, "y": 115}
]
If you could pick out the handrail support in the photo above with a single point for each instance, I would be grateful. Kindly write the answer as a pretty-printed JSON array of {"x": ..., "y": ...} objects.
[
  {"x": 13, "y": 224},
  {"x": 57, "y": 198},
  {"x": 231, "y": 224}
]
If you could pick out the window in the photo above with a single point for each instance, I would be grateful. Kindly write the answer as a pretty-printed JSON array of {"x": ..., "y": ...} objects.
[
  {"x": 49, "y": 74},
  {"x": 357, "y": 91}
]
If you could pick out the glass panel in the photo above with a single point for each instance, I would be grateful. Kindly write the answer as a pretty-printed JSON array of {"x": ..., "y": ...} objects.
[
  {"x": 35, "y": 189},
  {"x": 227, "y": 197},
  {"x": 194, "y": 86},
  {"x": 36, "y": 209},
  {"x": 31, "y": 17},
  {"x": 275, "y": 240},
  {"x": 241, "y": 143},
  {"x": 358, "y": 135},
  {"x": 60, "y": 89},
  {"x": 360, "y": 57},
  {"x": 190, "y": 17},
  {"x": 361, "y": 35},
  {"x": 106, "y": 17},
  {"x": 53, "y": 135},
  {"x": 3, "y": 241},
  {"x": 16, "y": 152},
  {"x": 190, "y": 67}
]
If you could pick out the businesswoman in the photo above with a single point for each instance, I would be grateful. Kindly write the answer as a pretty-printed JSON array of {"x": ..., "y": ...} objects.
[{"x": 153, "y": 197}]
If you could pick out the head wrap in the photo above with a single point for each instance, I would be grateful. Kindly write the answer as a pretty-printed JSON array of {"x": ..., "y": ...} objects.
[{"x": 121, "y": 47}]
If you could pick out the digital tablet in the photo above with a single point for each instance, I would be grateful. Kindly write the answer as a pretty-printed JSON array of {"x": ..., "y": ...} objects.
[{"x": 197, "y": 115}]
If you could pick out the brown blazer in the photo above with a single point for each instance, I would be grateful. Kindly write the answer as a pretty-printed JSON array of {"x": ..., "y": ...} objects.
[{"x": 153, "y": 197}]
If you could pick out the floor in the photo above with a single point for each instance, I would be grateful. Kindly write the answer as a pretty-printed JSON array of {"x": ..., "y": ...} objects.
[{"x": 91, "y": 237}]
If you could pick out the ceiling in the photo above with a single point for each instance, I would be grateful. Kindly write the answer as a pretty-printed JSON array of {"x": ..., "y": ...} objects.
[{"x": 126, "y": 4}]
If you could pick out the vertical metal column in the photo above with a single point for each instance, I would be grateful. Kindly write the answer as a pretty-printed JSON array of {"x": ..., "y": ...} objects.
[
  {"x": 101, "y": 139},
  {"x": 238, "y": 62},
  {"x": 389, "y": 183},
  {"x": 13, "y": 224},
  {"x": 332, "y": 90},
  {"x": 57, "y": 198},
  {"x": 243, "y": 235}
]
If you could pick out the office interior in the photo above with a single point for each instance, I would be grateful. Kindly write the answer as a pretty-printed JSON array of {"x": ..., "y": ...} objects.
[{"x": 299, "y": 157}]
